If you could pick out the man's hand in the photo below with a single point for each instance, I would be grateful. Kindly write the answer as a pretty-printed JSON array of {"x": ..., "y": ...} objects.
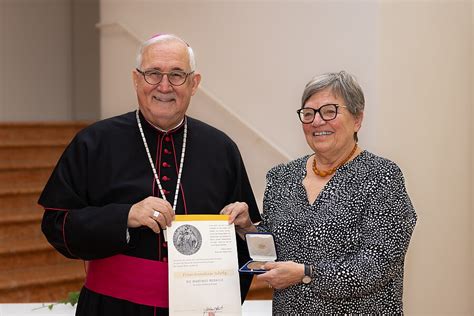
[{"x": 152, "y": 212}]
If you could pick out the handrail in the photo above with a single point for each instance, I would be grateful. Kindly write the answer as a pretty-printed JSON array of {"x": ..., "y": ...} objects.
[
  {"x": 128, "y": 30},
  {"x": 241, "y": 120},
  {"x": 132, "y": 34}
]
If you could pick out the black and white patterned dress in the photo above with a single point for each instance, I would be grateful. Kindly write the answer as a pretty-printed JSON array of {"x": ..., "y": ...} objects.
[{"x": 355, "y": 236}]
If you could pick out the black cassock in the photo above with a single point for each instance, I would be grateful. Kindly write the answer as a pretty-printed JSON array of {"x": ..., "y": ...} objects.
[{"x": 105, "y": 170}]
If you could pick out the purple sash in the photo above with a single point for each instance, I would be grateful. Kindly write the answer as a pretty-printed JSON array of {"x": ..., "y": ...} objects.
[{"x": 137, "y": 280}]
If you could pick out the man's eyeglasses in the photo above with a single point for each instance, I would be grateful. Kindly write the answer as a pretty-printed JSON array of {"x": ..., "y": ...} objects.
[
  {"x": 175, "y": 77},
  {"x": 327, "y": 112}
]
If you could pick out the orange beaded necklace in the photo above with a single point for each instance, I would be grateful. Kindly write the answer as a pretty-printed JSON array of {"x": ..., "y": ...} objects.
[{"x": 332, "y": 170}]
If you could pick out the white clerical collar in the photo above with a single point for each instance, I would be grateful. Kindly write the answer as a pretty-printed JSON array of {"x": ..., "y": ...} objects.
[{"x": 163, "y": 130}]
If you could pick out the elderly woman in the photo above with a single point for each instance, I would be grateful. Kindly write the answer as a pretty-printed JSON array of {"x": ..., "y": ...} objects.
[{"x": 341, "y": 217}]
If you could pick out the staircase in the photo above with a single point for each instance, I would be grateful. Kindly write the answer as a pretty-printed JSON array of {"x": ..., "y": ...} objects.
[{"x": 30, "y": 269}]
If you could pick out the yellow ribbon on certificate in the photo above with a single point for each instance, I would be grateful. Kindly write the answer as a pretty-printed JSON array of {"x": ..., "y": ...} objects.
[{"x": 201, "y": 217}]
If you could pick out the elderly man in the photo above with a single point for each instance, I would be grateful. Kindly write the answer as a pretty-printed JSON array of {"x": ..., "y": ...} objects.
[{"x": 121, "y": 180}]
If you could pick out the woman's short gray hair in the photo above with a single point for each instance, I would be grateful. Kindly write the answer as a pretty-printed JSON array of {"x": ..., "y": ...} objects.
[
  {"x": 343, "y": 85},
  {"x": 165, "y": 38}
]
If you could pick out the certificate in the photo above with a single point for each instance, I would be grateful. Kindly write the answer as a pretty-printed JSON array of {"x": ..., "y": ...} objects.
[{"x": 203, "y": 266}]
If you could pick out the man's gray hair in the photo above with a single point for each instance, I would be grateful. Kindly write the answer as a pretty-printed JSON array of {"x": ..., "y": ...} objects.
[
  {"x": 165, "y": 38},
  {"x": 343, "y": 85}
]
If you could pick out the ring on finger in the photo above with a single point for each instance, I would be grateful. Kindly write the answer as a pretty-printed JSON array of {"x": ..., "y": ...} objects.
[
  {"x": 269, "y": 285},
  {"x": 156, "y": 214}
]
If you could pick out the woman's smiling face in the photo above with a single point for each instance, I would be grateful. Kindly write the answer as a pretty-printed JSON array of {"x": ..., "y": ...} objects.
[{"x": 331, "y": 138}]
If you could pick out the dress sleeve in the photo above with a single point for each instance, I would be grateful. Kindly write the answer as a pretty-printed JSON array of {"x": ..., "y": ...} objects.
[
  {"x": 386, "y": 229},
  {"x": 73, "y": 226}
]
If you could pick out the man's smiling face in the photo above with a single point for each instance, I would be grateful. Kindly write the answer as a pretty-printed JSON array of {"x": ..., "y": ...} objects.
[{"x": 165, "y": 105}]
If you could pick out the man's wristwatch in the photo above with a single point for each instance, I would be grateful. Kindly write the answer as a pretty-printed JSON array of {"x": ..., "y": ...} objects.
[{"x": 307, "y": 274}]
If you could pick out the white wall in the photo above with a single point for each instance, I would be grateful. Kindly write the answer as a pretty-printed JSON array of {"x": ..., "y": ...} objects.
[
  {"x": 471, "y": 275},
  {"x": 85, "y": 44},
  {"x": 256, "y": 56},
  {"x": 414, "y": 61},
  {"x": 49, "y": 60},
  {"x": 35, "y": 60},
  {"x": 424, "y": 123}
]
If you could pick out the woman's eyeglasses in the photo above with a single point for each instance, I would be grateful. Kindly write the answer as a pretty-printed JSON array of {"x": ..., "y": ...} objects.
[{"x": 327, "y": 112}]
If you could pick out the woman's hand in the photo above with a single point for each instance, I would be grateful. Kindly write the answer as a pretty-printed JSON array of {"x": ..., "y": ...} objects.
[
  {"x": 281, "y": 275},
  {"x": 239, "y": 215}
]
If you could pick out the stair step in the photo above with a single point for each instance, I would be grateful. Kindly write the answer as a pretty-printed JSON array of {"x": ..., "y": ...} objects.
[
  {"x": 23, "y": 245},
  {"x": 18, "y": 278},
  {"x": 42, "y": 293},
  {"x": 23, "y": 181},
  {"x": 16, "y": 254},
  {"x": 20, "y": 230},
  {"x": 22, "y": 215},
  {"x": 13, "y": 157},
  {"x": 41, "y": 284},
  {"x": 23, "y": 202},
  {"x": 47, "y": 133}
]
